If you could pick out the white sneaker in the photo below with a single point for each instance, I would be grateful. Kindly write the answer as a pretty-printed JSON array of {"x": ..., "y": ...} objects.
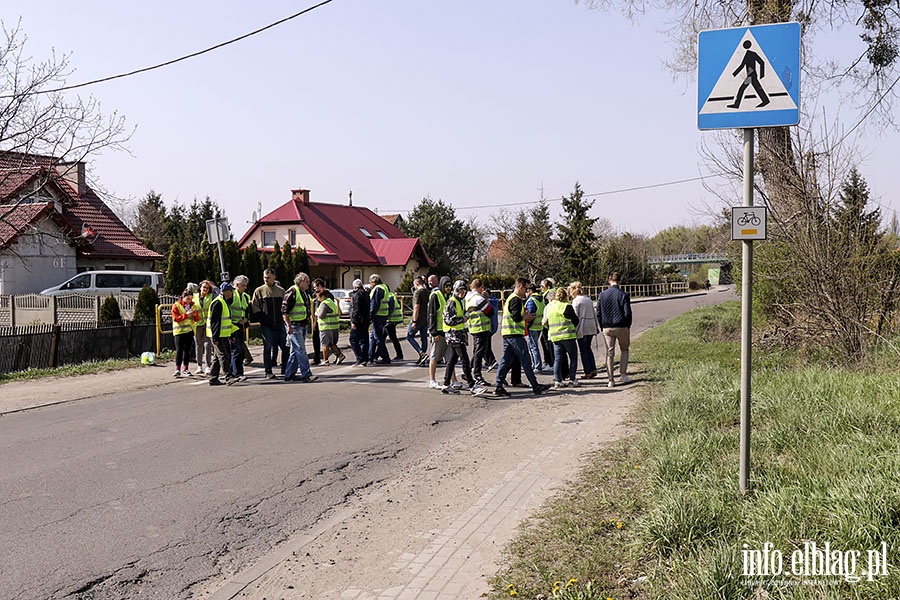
[
  {"x": 575, "y": 383},
  {"x": 434, "y": 385},
  {"x": 176, "y": 374},
  {"x": 458, "y": 385},
  {"x": 558, "y": 384},
  {"x": 478, "y": 390},
  {"x": 449, "y": 390},
  {"x": 625, "y": 379},
  {"x": 206, "y": 371},
  {"x": 187, "y": 373},
  {"x": 611, "y": 383}
]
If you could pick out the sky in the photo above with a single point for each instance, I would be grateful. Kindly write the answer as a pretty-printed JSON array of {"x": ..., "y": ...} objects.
[{"x": 483, "y": 104}]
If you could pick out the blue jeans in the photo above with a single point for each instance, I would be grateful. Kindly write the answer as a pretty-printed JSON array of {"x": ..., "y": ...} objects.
[
  {"x": 515, "y": 347},
  {"x": 569, "y": 347},
  {"x": 588, "y": 363},
  {"x": 237, "y": 353},
  {"x": 377, "y": 345},
  {"x": 359, "y": 342},
  {"x": 422, "y": 331},
  {"x": 274, "y": 338},
  {"x": 298, "y": 360},
  {"x": 534, "y": 346}
]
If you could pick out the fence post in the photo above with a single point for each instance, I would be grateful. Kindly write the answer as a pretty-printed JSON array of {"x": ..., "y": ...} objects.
[
  {"x": 54, "y": 344},
  {"x": 12, "y": 312},
  {"x": 97, "y": 309},
  {"x": 129, "y": 338},
  {"x": 54, "y": 318}
]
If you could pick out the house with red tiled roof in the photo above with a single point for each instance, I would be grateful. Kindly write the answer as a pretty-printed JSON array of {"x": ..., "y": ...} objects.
[
  {"x": 343, "y": 242},
  {"x": 54, "y": 226}
]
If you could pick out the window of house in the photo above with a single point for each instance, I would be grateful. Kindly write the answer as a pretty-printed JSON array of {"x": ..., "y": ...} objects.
[
  {"x": 292, "y": 237},
  {"x": 268, "y": 239},
  {"x": 365, "y": 232},
  {"x": 381, "y": 233}
]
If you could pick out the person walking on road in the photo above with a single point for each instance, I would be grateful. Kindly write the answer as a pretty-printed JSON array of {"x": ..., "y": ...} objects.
[
  {"x": 185, "y": 318},
  {"x": 379, "y": 310},
  {"x": 395, "y": 317},
  {"x": 479, "y": 309},
  {"x": 296, "y": 311},
  {"x": 437, "y": 302},
  {"x": 219, "y": 330},
  {"x": 535, "y": 304},
  {"x": 203, "y": 297},
  {"x": 614, "y": 316},
  {"x": 587, "y": 328},
  {"x": 266, "y": 306},
  {"x": 512, "y": 328},
  {"x": 455, "y": 317},
  {"x": 329, "y": 320},
  {"x": 418, "y": 326},
  {"x": 359, "y": 323},
  {"x": 240, "y": 304},
  {"x": 561, "y": 324}
]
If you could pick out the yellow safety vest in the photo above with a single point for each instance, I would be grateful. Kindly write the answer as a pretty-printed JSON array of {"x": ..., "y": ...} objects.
[
  {"x": 203, "y": 305},
  {"x": 459, "y": 313},
  {"x": 509, "y": 327},
  {"x": 332, "y": 320},
  {"x": 184, "y": 326},
  {"x": 540, "y": 303},
  {"x": 227, "y": 327},
  {"x": 396, "y": 315},
  {"x": 239, "y": 306},
  {"x": 478, "y": 321},
  {"x": 300, "y": 312},
  {"x": 442, "y": 303},
  {"x": 383, "y": 306},
  {"x": 559, "y": 328}
]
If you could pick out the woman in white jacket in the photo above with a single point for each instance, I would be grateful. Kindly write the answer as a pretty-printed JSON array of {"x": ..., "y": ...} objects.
[{"x": 587, "y": 328}]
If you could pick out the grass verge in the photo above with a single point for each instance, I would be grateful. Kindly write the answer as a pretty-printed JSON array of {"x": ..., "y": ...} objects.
[
  {"x": 659, "y": 514},
  {"x": 86, "y": 368}
]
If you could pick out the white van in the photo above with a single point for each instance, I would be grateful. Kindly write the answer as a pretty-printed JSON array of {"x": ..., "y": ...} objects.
[{"x": 104, "y": 283}]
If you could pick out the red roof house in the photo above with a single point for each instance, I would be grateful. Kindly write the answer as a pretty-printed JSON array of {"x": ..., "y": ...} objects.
[
  {"x": 53, "y": 225},
  {"x": 343, "y": 242}
]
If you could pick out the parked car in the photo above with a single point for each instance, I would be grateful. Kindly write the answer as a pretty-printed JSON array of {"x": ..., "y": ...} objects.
[
  {"x": 342, "y": 297},
  {"x": 104, "y": 283}
]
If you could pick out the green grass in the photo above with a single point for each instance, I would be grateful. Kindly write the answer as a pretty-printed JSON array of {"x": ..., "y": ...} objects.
[
  {"x": 825, "y": 467},
  {"x": 86, "y": 368}
]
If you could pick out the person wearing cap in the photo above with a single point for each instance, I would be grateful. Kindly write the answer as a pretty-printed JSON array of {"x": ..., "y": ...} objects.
[
  {"x": 455, "y": 318},
  {"x": 296, "y": 309},
  {"x": 437, "y": 302},
  {"x": 359, "y": 323},
  {"x": 266, "y": 306},
  {"x": 535, "y": 304},
  {"x": 379, "y": 310},
  {"x": 219, "y": 329},
  {"x": 512, "y": 328}
]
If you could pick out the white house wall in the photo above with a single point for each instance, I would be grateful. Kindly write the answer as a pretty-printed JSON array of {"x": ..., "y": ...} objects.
[{"x": 41, "y": 258}]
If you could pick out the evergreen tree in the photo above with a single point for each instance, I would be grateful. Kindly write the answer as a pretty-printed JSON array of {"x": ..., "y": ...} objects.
[
  {"x": 110, "y": 312},
  {"x": 576, "y": 237},
  {"x": 151, "y": 223},
  {"x": 251, "y": 266},
  {"x": 145, "y": 307},
  {"x": 276, "y": 263},
  {"x": 857, "y": 227},
  {"x": 176, "y": 273},
  {"x": 450, "y": 242}
]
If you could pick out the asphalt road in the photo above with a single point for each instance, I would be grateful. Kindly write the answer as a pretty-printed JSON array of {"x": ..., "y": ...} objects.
[{"x": 153, "y": 492}]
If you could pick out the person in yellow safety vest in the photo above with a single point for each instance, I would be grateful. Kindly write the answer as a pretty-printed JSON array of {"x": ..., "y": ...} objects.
[
  {"x": 379, "y": 310},
  {"x": 535, "y": 305},
  {"x": 478, "y": 308},
  {"x": 203, "y": 297},
  {"x": 437, "y": 340},
  {"x": 329, "y": 320},
  {"x": 455, "y": 317},
  {"x": 395, "y": 317},
  {"x": 512, "y": 328},
  {"x": 548, "y": 289},
  {"x": 220, "y": 329},
  {"x": 185, "y": 317},
  {"x": 562, "y": 324},
  {"x": 240, "y": 307},
  {"x": 296, "y": 310}
]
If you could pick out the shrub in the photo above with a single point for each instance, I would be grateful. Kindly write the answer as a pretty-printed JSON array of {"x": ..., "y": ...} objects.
[
  {"x": 110, "y": 311},
  {"x": 145, "y": 308}
]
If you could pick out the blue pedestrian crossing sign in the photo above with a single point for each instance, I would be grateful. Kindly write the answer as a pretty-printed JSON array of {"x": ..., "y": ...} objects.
[{"x": 748, "y": 77}]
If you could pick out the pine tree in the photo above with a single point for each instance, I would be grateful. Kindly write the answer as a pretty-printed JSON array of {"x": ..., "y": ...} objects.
[
  {"x": 576, "y": 237},
  {"x": 176, "y": 273}
]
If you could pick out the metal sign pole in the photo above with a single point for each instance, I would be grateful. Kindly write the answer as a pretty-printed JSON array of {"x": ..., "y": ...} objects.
[{"x": 746, "y": 318}]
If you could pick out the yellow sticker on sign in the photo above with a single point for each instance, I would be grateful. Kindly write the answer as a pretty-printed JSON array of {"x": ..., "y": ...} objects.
[{"x": 749, "y": 231}]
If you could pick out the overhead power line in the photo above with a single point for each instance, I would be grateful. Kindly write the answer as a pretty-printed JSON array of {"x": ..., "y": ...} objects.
[{"x": 180, "y": 59}]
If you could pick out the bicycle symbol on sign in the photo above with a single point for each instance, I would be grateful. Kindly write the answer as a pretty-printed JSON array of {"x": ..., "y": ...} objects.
[{"x": 748, "y": 218}]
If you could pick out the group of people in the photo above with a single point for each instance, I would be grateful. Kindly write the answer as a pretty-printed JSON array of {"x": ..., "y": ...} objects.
[{"x": 558, "y": 322}]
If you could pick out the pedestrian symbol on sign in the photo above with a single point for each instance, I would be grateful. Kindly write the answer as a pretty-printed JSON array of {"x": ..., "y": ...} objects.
[{"x": 750, "y": 62}]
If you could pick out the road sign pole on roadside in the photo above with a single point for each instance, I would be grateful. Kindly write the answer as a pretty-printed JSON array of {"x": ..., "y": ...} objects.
[{"x": 746, "y": 319}]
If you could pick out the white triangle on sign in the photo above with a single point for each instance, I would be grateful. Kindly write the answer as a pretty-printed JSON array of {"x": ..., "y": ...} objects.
[{"x": 724, "y": 96}]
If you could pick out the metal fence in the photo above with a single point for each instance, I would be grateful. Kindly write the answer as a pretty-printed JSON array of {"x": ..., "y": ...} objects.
[{"x": 34, "y": 309}]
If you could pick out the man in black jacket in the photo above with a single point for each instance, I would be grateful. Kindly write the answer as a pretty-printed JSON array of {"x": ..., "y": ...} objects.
[
  {"x": 359, "y": 323},
  {"x": 614, "y": 317}
]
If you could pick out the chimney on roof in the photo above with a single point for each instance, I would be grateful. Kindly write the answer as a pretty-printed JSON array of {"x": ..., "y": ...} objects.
[
  {"x": 73, "y": 174},
  {"x": 351, "y": 198},
  {"x": 300, "y": 195}
]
